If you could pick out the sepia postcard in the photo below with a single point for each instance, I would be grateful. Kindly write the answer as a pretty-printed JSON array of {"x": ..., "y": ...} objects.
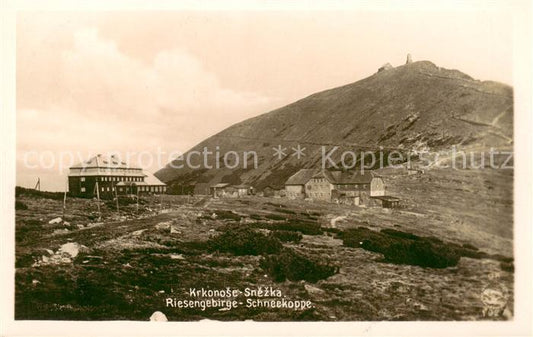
[{"x": 266, "y": 168}]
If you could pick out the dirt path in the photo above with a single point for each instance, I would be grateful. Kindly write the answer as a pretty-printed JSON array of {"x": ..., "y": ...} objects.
[{"x": 90, "y": 235}]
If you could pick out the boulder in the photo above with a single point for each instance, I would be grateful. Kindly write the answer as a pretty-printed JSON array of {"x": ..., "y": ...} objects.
[
  {"x": 312, "y": 289},
  {"x": 72, "y": 249},
  {"x": 165, "y": 225},
  {"x": 158, "y": 316},
  {"x": 55, "y": 221}
]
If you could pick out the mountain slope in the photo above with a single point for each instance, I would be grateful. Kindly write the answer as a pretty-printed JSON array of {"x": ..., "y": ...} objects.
[{"x": 411, "y": 106}]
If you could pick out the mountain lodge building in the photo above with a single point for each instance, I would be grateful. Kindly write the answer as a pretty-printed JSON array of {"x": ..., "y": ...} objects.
[{"x": 106, "y": 177}]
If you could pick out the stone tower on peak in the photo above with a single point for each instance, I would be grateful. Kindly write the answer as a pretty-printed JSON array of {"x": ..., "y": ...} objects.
[{"x": 409, "y": 59}]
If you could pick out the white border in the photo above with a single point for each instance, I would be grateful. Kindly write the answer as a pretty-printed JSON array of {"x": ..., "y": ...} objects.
[{"x": 520, "y": 326}]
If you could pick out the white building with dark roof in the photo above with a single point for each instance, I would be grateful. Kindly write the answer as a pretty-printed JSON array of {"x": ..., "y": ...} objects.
[{"x": 347, "y": 187}]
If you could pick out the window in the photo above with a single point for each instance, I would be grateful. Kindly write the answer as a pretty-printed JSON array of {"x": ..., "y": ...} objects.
[
  {"x": 83, "y": 189},
  {"x": 82, "y": 179}
]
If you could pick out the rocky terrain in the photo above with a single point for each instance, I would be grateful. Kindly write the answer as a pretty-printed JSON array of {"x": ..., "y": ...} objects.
[{"x": 124, "y": 268}]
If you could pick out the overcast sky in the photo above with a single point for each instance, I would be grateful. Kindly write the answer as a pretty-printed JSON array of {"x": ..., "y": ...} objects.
[{"x": 98, "y": 82}]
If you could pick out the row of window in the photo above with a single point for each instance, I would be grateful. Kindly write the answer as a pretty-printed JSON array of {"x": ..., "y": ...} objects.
[
  {"x": 145, "y": 189},
  {"x": 141, "y": 189},
  {"x": 117, "y": 179},
  {"x": 319, "y": 195}
]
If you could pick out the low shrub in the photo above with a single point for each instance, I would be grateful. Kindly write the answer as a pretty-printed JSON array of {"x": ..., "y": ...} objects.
[
  {"x": 421, "y": 253},
  {"x": 507, "y": 266},
  {"x": 403, "y": 248},
  {"x": 227, "y": 215},
  {"x": 293, "y": 225},
  {"x": 292, "y": 266},
  {"x": 39, "y": 194},
  {"x": 287, "y": 236},
  {"x": 399, "y": 234},
  {"x": 469, "y": 246},
  {"x": 275, "y": 217},
  {"x": 19, "y": 205},
  {"x": 275, "y": 205},
  {"x": 244, "y": 241},
  {"x": 335, "y": 231},
  {"x": 28, "y": 229},
  {"x": 287, "y": 211},
  {"x": 363, "y": 237},
  {"x": 122, "y": 202}
]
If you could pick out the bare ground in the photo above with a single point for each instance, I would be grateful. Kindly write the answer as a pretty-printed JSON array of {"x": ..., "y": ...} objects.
[{"x": 132, "y": 263}]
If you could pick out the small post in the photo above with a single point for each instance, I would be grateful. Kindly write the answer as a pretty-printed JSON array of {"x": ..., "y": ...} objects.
[
  {"x": 38, "y": 185},
  {"x": 116, "y": 196},
  {"x": 137, "y": 190},
  {"x": 98, "y": 200},
  {"x": 65, "y": 200}
]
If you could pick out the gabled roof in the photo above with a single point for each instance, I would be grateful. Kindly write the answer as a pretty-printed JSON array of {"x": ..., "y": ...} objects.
[
  {"x": 335, "y": 177},
  {"x": 301, "y": 177},
  {"x": 103, "y": 162},
  {"x": 152, "y": 180},
  {"x": 352, "y": 178},
  {"x": 220, "y": 185},
  {"x": 242, "y": 186},
  {"x": 273, "y": 187}
]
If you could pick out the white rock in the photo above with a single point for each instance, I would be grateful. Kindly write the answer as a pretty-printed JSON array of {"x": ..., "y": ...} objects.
[
  {"x": 163, "y": 225},
  {"x": 177, "y": 257},
  {"x": 56, "y": 220},
  {"x": 158, "y": 316},
  {"x": 71, "y": 248},
  {"x": 139, "y": 232},
  {"x": 60, "y": 231},
  {"x": 312, "y": 289}
]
